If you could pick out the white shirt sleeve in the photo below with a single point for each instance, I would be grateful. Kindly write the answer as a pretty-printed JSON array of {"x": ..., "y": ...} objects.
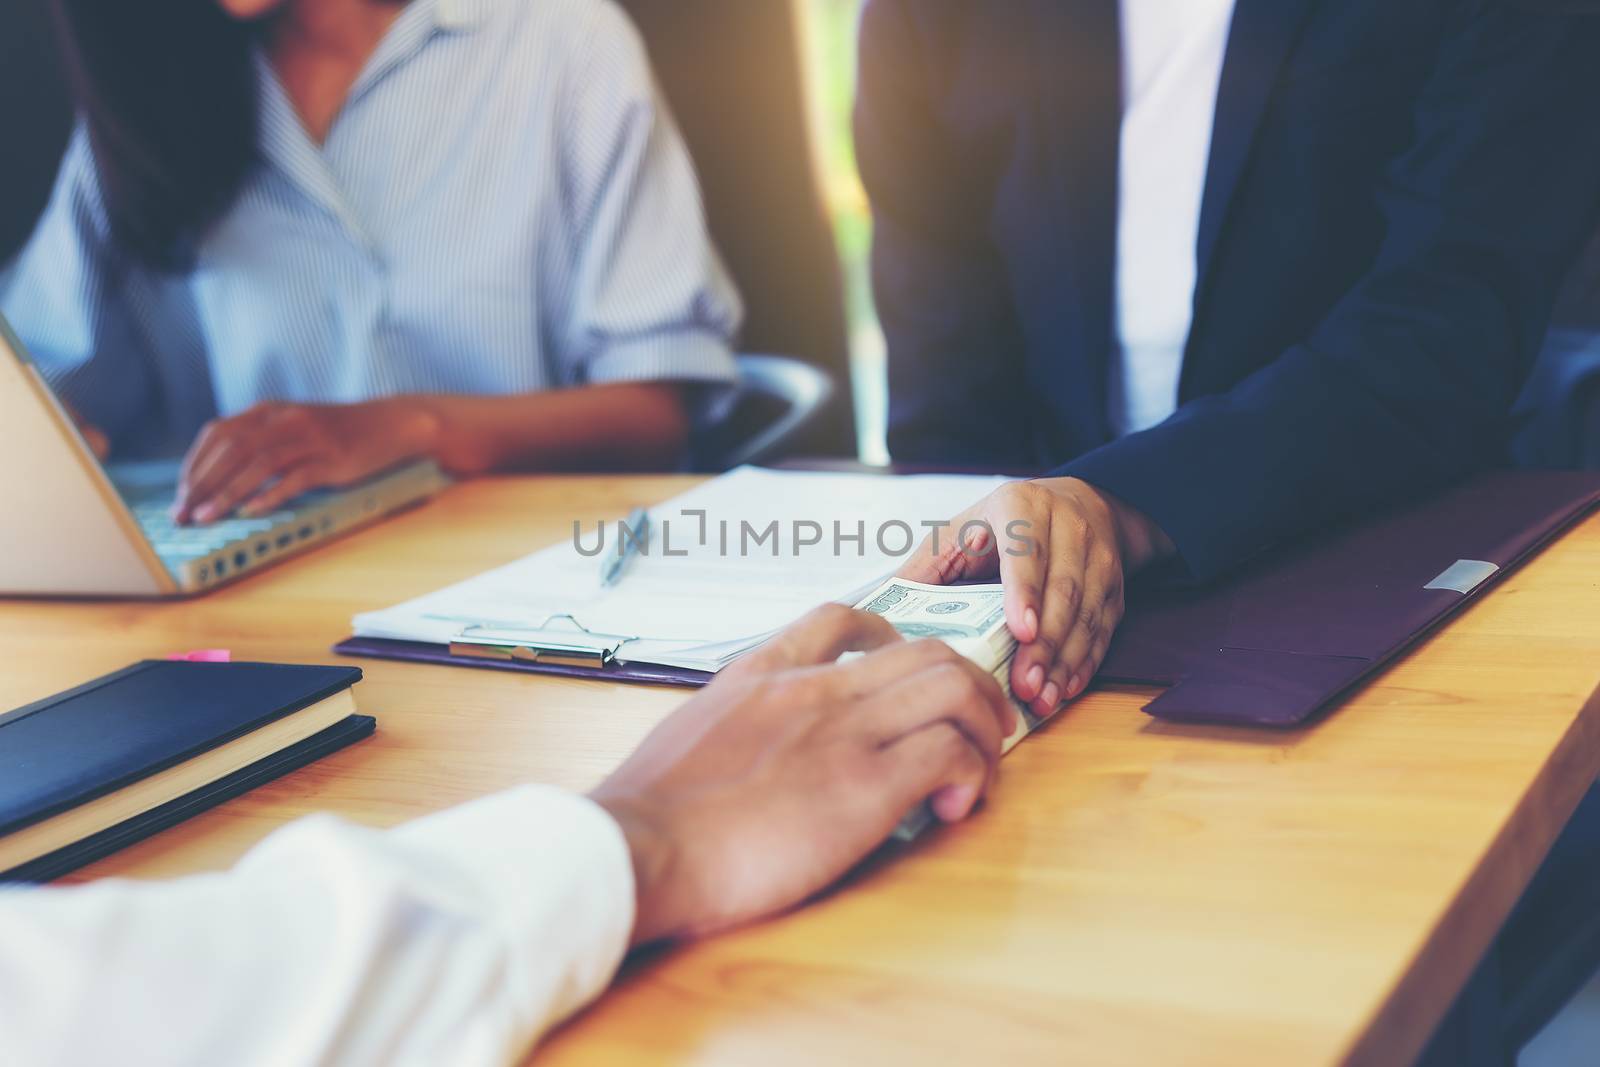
[
  {"x": 638, "y": 290},
  {"x": 457, "y": 939}
]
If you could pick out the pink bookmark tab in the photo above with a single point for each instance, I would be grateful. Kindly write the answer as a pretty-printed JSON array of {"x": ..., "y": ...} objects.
[{"x": 204, "y": 655}]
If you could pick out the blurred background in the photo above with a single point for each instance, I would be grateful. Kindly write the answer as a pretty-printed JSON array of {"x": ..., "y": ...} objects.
[
  {"x": 788, "y": 314},
  {"x": 828, "y": 36}
]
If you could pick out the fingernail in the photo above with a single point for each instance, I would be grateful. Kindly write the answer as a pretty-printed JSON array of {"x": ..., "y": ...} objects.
[
  {"x": 205, "y": 512},
  {"x": 1034, "y": 678},
  {"x": 955, "y": 802},
  {"x": 1051, "y": 696},
  {"x": 1074, "y": 685},
  {"x": 1030, "y": 622}
]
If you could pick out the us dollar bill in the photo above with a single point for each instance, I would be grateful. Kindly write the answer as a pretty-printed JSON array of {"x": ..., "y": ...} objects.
[
  {"x": 969, "y": 618},
  {"x": 950, "y": 613}
]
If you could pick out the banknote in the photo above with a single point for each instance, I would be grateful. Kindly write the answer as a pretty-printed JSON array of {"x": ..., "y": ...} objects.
[
  {"x": 971, "y": 619},
  {"x": 949, "y": 613}
]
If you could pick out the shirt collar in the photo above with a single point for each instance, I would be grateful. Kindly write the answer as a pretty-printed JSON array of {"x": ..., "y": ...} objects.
[{"x": 460, "y": 16}]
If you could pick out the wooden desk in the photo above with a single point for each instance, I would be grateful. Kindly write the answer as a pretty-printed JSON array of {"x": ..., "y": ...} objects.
[{"x": 1134, "y": 893}]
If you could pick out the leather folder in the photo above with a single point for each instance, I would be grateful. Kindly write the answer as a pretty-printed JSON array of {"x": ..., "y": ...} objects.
[{"x": 1283, "y": 638}]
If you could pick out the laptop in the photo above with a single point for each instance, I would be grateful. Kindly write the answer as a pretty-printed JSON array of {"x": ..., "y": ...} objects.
[{"x": 75, "y": 527}]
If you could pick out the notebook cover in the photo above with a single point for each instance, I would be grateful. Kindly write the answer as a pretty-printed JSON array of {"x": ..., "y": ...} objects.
[
  {"x": 114, "y": 838},
  {"x": 1277, "y": 643},
  {"x": 419, "y": 652},
  {"x": 71, "y": 748}
]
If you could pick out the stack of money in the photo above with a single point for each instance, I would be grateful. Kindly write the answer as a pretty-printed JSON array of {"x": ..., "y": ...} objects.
[{"x": 969, "y": 618}]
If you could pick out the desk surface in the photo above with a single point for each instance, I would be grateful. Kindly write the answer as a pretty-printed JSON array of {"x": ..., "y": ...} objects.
[{"x": 1134, "y": 893}]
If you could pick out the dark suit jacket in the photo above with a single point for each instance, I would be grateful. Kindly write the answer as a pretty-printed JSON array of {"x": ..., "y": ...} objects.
[{"x": 1396, "y": 189}]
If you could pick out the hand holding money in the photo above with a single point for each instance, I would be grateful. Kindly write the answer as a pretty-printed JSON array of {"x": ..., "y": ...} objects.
[
  {"x": 780, "y": 775},
  {"x": 1063, "y": 550},
  {"x": 970, "y": 619}
]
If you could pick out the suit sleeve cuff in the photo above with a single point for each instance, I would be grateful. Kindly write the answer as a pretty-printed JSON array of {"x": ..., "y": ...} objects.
[{"x": 1130, "y": 470}]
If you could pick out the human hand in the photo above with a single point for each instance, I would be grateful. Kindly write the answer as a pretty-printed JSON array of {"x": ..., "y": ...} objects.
[
  {"x": 1063, "y": 550},
  {"x": 92, "y": 435},
  {"x": 258, "y": 461},
  {"x": 789, "y": 768}
]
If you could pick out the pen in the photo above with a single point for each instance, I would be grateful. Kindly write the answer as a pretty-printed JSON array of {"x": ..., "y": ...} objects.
[{"x": 632, "y": 536}]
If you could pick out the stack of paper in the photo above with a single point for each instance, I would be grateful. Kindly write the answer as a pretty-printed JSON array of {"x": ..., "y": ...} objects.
[{"x": 724, "y": 566}]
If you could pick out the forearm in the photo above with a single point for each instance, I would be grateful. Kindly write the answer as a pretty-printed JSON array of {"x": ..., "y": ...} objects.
[{"x": 598, "y": 427}]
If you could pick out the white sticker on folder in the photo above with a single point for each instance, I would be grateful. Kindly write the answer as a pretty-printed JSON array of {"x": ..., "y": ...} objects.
[{"x": 1464, "y": 575}]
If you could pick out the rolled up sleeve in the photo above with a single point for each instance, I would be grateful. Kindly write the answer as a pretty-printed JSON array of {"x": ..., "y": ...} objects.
[{"x": 643, "y": 293}]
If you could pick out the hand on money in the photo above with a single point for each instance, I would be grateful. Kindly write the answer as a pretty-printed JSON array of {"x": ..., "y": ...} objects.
[
  {"x": 1063, "y": 550},
  {"x": 789, "y": 768},
  {"x": 970, "y": 619}
]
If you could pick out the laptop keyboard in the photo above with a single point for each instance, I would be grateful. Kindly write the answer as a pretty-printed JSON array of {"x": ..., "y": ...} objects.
[
  {"x": 178, "y": 543},
  {"x": 199, "y": 556}
]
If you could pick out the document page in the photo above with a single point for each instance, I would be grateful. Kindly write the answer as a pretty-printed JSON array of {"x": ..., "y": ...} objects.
[{"x": 725, "y": 564}]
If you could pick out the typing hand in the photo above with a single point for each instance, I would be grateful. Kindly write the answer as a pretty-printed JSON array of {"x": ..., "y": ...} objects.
[
  {"x": 789, "y": 768},
  {"x": 258, "y": 461},
  {"x": 92, "y": 436},
  {"x": 1063, "y": 549}
]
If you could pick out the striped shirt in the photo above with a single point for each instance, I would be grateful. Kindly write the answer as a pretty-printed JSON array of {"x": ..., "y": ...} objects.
[{"x": 502, "y": 206}]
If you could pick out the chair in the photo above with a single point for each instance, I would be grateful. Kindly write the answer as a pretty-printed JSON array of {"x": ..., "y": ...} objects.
[
  {"x": 36, "y": 120},
  {"x": 777, "y": 402},
  {"x": 731, "y": 71}
]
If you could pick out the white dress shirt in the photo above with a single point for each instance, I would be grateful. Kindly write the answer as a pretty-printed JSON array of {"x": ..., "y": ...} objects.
[
  {"x": 1173, "y": 52},
  {"x": 503, "y": 205},
  {"x": 454, "y": 941}
]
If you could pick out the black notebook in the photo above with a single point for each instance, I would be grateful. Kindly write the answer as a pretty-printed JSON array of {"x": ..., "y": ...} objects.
[{"x": 91, "y": 770}]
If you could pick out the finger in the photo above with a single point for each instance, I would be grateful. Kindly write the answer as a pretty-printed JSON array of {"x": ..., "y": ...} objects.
[
  {"x": 960, "y": 550},
  {"x": 955, "y": 691},
  {"x": 216, "y": 455},
  {"x": 1024, "y": 559},
  {"x": 290, "y": 484},
  {"x": 1098, "y": 615},
  {"x": 99, "y": 444},
  {"x": 251, "y": 478},
  {"x": 863, "y": 677},
  {"x": 822, "y": 637},
  {"x": 1071, "y": 623},
  {"x": 1097, "y": 656},
  {"x": 1062, "y": 597},
  {"x": 941, "y": 762}
]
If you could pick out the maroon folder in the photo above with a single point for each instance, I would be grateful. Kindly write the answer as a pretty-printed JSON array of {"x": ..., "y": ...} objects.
[{"x": 1280, "y": 641}]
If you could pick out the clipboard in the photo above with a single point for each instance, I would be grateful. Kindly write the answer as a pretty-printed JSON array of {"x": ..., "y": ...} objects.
[
  {"x": 612, "y": 671},
  {"x": 558, "y": 623},
  {"x": 561, "y": 646}
]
